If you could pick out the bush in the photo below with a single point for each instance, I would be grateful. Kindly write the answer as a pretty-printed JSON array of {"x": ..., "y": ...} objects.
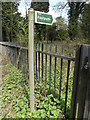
[{"x": 62, "y": 35}]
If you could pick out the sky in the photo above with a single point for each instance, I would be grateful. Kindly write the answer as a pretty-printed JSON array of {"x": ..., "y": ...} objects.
[{"x": 52, "y": 3}]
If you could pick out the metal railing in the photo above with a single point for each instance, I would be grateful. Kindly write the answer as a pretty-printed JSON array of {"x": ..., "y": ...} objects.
[{"x": 44, "y": 57}]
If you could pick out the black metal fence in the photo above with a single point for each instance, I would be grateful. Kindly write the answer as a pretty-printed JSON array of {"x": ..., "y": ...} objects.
[{"x": 47, "y": 60}]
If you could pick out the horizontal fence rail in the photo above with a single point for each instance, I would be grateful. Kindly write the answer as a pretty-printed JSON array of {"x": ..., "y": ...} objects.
[
  {"x": 51, "y": 68},
  {"x": 8, "y": 44},
  {"x": 56, "y": 55}
]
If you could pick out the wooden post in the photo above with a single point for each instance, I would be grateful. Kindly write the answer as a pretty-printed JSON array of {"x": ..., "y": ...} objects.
[
  {"x": 31, "y": 56},
  {"x": 75, "y": 81},
  {"x": 87, "y": 101},
  {"x": 83, "y": 82},
  {"x": 80, "y": 84}
]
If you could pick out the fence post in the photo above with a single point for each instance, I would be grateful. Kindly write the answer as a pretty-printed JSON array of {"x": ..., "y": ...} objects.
[
  {"x": 80, "y": 81},
  {"x": 31, "y": 57},
  {"x": 87, "y": 101}
]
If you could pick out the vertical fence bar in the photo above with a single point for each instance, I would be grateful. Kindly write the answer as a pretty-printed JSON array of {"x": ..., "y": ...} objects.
[
  {"x": 67, "y": 80},
  {"x": 38, "y": 62},
  {"x": 55, "y": 70},
  {"x": 42, "y": 63},
  {"x": 50, "y": 70},
  {"x": 45, "y": 66},
  {"x": 61, "y": 73}
]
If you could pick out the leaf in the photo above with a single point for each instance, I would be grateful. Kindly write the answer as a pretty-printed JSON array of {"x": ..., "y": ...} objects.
[
  {"x": 46, "y": 106},
  {"x": 17, "y": 108},
  {"x": 48, "y": 113},
  {"x": 53, "y": 107},
  {"x": 23, "y": 116},
  {"x": 55, "y": 113}
]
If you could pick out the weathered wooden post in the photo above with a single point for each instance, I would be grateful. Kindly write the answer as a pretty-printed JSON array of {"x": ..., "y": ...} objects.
[
  {"x": 31, "y": 56},
  {"x": 40, "y": 18},
  {"x": 80, "y": 94}
]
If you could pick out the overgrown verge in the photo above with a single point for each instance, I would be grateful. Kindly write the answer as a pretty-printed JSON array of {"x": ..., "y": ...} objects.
[
  {"x": 15, "y": 94},
  {"x": 15, "y": 98}
]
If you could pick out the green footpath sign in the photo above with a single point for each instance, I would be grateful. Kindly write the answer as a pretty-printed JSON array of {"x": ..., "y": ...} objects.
[{"x": 43, "y": 18}]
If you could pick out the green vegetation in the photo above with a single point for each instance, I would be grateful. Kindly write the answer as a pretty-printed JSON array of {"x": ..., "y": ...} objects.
[
  {"x": 10, "y": 19},
  {"x": 85, "y": 22},
  {"x": 15, "y": 96},
  {"x": 15, "y": 90},
  {"x": 15, "y": 27}
]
